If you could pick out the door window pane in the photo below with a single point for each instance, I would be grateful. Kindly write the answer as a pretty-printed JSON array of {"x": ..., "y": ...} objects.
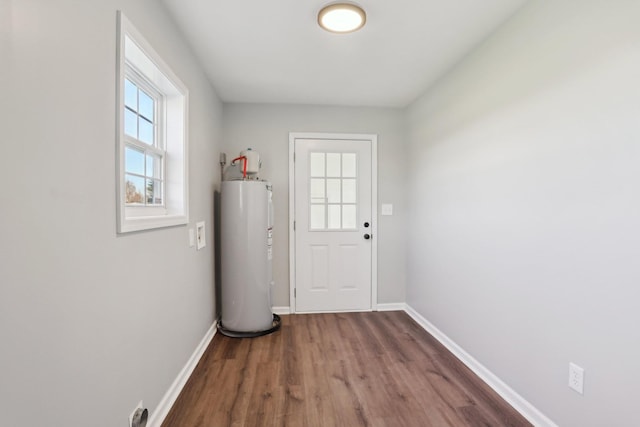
[
  {"x": 333, "y": 164},
  {"x": 348, "y": 191},
  {"x": 333, "y": 220},
  {"x": 317, "y": 164},
  {"x": 349, "y": 219},
  {"x": 316, "y": 220},
  {"x": 317, "y": 190},
  {"x": 333, "y": 190},
  {"x": 333, "y": 199},
  {"x": 348, "y": 165}
]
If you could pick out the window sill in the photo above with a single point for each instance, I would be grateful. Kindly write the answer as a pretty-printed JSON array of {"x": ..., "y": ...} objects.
[{"x": 141, "y": 223}]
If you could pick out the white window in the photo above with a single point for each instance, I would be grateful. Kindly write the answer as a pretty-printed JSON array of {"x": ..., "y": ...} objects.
[
  {"x": 332, "y": 191},
  {"x": 152, "y": 137}
]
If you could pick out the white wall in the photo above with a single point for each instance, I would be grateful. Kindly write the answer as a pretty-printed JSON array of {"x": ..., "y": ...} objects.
[
  {"x": 91, "y": 322},
  {"x": 525, "y": 204},
  {"x": 266, "y": 128}
]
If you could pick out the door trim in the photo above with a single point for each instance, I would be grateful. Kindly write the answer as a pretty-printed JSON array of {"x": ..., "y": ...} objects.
[{"x": 374, "y": 208}]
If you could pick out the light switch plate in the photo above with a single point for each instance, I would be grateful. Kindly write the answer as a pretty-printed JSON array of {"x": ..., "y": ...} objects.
[
  {"x": 200, "y": 235},
  {"x": 386, "y": 209}
]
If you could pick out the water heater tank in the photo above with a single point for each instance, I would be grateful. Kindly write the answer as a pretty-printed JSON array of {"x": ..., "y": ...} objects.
[{"x": 246, "y": 227}]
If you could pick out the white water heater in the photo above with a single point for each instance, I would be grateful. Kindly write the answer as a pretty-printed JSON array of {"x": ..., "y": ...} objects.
[{"x": 246, "y": 253}]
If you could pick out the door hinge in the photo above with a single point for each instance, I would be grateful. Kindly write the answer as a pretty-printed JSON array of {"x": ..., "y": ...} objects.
[
  {"x": 294, "y": 226},
  {"x": 294, "y": 156},
  {"x": 294, "y": 292}
]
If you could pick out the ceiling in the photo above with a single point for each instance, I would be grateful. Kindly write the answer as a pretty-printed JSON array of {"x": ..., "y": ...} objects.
[{"x": 274, "y": 52}]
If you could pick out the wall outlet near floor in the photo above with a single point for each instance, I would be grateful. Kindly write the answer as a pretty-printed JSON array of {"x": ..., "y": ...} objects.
[
  {"x": 140, "y": 406},
  {"x": 576, "y": 378}
]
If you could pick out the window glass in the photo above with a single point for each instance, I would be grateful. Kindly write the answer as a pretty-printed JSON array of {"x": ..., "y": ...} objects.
[
  {"x": 317, "y": 164},
  {"x": 154, "y": 191},
  {"x": 140, "y": 160},
  {"x": 333, "y": 190},
  {"x": 134, "y": 189},
  {"x": 333, "y": 164},
  {"x": 133, "y": 161},
  {"x": 316, "y": 217},
  {"x": 146, "y": 106},
  {"x": 145, "y": 131},
  {"x": 317, "y": 190},
  {"x": 333, "y": 217},
  {"x": 348, "y": 191},
  {"x": 130, "y": 123},
  {"x": 349, "y": 165},
  {"x": 130, "y": 95},
  {"x": 349, "y": 216},
  {"x": 333, "y": 199}
]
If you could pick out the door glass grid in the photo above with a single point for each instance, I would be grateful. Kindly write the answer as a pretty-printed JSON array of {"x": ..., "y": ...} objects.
[{"x": 332, "y": 191}]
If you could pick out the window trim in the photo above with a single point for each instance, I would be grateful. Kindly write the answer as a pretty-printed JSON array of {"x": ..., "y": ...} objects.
[{"x": 144, "y": 60}]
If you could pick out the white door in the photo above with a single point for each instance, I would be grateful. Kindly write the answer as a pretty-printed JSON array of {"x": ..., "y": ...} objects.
[{"x": 334, "y": 223}]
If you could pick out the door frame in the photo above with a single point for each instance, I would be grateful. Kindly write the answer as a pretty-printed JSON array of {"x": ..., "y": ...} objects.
[{"x": 373, "y": 138}]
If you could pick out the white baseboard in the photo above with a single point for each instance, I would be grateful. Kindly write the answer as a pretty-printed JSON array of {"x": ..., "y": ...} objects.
[
  {"x": 281, "y": 310},
  {"x": 527, "y": 410},
  {"x": 170, "y": 397},
  {"x": 394, "y": 306}
]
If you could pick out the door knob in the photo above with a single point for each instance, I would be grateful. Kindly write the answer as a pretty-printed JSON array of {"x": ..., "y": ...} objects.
[
  {"x": 366, "y": 225},
  {"x": 367, "y": 237}
]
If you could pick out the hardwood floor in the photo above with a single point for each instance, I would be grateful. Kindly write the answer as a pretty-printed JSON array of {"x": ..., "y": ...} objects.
[{"x": 344, "y": 369}]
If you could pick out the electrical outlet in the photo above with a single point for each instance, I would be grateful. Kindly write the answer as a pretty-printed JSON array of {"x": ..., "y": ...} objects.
[
  {"x": 200, "y": 233},
  {"x": 576, "y": 378},
  {"x": 139, "y": 406}
]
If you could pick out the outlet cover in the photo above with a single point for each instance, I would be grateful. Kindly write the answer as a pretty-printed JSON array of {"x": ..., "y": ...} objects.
[
  {"x": 139, "y": 406},
  {"x": 200, "y": 235},
  {"x": 576, "y": 378}
]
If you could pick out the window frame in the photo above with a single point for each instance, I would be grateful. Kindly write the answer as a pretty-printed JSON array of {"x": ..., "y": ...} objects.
[
  {"x": 136, "y": 57},
  {"x": 157, "y": 148}
]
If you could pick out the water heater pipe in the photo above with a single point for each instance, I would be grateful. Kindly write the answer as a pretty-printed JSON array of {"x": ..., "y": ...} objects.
[
  {"x": 223, "y": 162},
  {"x": 244, "y": 167}
]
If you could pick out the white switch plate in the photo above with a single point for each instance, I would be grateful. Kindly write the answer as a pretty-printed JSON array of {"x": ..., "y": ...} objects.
[
  {"x": 200, "y": 235},
  {"x": 386, "y": 209},
  {"x": 192, "y": 237}
]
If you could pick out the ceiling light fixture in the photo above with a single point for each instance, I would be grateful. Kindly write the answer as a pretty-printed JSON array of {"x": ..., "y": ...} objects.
[{"x": 342, "y": 17}]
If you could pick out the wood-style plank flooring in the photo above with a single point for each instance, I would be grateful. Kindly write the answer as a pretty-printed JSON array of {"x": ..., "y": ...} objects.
[{"x": 343, "y": 369}]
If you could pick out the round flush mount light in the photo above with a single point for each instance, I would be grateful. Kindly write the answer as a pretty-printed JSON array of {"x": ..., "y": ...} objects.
[{"x": 341, "y": 17}]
